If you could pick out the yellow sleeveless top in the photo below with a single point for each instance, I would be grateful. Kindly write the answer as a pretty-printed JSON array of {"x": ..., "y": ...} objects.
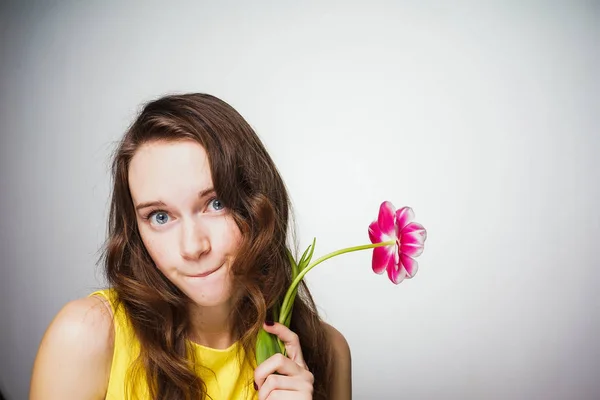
[{"x": 225, "y": 377}]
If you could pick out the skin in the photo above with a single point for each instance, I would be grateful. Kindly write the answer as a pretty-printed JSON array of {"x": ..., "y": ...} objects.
[{"x": 192, "y": 239}]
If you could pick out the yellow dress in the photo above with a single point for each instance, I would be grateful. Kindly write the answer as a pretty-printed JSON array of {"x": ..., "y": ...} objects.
[{"x": 226, "y": 378}]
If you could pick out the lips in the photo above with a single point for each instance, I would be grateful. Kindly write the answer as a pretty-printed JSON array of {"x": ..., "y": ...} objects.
[{"x": 205, "y": 274}]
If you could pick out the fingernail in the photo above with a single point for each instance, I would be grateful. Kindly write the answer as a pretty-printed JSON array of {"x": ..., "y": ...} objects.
[
  {"x": 269, "y": 322},
  {"x": 255, "y": 386}
]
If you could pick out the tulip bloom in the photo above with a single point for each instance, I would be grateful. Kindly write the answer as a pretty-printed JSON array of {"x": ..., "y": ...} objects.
[{"x": 408, "y": 239}]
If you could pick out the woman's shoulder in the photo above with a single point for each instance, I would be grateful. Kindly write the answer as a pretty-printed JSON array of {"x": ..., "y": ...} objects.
[
  {"x": 339, "y": 344},
  {"x": 341, "y": 385},
  {"x": 82, "y": 325},
  {"x": 87, "y": 319},
  {"x": 80, "y": 339}
]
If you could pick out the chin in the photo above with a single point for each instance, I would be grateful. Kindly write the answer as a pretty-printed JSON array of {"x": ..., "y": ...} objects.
[{"x": 210, "y": 298}]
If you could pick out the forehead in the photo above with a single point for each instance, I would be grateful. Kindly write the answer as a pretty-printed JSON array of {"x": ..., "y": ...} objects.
[{"x": 168, "y": 171}]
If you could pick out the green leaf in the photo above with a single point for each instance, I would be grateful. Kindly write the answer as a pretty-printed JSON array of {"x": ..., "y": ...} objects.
[
  {"x": 288, "y": 318},
  {"x": 287, "y": 313},
  {"x": 295, "y": 270},
  {"x": 267, "y": 345},
  {"x": 305, "y": 261}
]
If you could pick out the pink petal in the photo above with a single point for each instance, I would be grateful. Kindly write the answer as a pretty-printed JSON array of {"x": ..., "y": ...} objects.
[
  {"x": 403, "y": 217},
  {"x": 386, "y": 219},
  {"x": 382, "y": 256},
  {"x": 411, "y": 239},
  {"x": 415, "y": 231},
  {"x": 411, "y": 249},
  {"x": 375, "y": 233},
  {"x": 396, "y": 273},
  {"x": 410, "y": 265}
]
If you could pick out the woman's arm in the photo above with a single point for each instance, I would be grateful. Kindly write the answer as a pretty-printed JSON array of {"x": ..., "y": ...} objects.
[
  {"x": 341, "y": 388},
  {"x": 75, "y": 354}
]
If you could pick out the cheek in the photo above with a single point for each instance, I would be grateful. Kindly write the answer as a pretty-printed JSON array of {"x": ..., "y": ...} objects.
[
  {"x": 234, "y": 238},
  {"x": 158, "y": 248},
  {"x": 227, "y": 238}
]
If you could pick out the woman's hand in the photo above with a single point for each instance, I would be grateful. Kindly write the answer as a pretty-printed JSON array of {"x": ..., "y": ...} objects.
[{"x": 281, "y": 377}]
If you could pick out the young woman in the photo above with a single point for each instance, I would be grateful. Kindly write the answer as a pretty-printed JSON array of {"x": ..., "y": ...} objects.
[{"x": 196, "y": 261}]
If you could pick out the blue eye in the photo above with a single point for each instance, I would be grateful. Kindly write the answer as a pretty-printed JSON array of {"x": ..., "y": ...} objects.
[
  {"x": 217, "y": 204},
  {"x": 159, "y": 218}
]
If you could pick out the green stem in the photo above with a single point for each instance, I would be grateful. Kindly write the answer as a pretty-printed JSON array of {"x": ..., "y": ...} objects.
[{"x": 296, "y": 282}]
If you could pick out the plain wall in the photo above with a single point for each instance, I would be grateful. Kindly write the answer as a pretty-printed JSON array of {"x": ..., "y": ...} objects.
[{"x": 483, "y": 118}]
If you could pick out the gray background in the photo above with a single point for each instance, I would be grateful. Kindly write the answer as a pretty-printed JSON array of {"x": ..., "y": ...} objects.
[{"x": 483, "y": 118}]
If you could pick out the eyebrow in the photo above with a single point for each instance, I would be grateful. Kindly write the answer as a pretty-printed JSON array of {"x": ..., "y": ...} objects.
[
  {"x": 150, "y": 204},
  {"x": 158, "y": 203},
  {"x": 206, "y": 192}
]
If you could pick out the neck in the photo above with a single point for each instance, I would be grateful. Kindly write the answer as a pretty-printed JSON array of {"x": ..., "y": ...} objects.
[{"x": 212, "y": 326}]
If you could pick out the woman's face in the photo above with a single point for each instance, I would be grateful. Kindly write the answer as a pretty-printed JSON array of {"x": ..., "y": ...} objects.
[{"x": 187, "y": 231}]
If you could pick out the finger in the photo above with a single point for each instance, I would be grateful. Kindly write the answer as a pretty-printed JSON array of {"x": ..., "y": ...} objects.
[
  {"x": 277, "y": 363},
  {"x": 290, "y": 339},
  {"x": 286, "y": 395},
  {"x": 275, "y": 383}
]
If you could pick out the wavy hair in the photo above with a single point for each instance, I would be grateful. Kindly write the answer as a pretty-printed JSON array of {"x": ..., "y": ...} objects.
[{"x": 247, "y": 181}]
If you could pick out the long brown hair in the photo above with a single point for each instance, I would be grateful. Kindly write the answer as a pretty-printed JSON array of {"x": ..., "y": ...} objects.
[{"x": 247, "y": 181}]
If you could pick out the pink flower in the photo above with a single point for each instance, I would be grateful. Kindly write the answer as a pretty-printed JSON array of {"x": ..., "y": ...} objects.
[{"x": 408, "y": 239}]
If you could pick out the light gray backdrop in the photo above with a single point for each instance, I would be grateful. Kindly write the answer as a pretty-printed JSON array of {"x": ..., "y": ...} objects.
[{"x": 483, "y": 118}]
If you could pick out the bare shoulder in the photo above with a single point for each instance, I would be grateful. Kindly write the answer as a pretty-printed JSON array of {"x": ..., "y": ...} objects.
[
  {"x": 340, "y": 345},
  {"x": 341, "y": 388},
  {"x": 85, "y": 323},
  {"x": 75, "y": 353}
]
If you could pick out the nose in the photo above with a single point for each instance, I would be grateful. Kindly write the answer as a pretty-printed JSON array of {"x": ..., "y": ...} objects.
[{"x": 194, "y": 241}]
